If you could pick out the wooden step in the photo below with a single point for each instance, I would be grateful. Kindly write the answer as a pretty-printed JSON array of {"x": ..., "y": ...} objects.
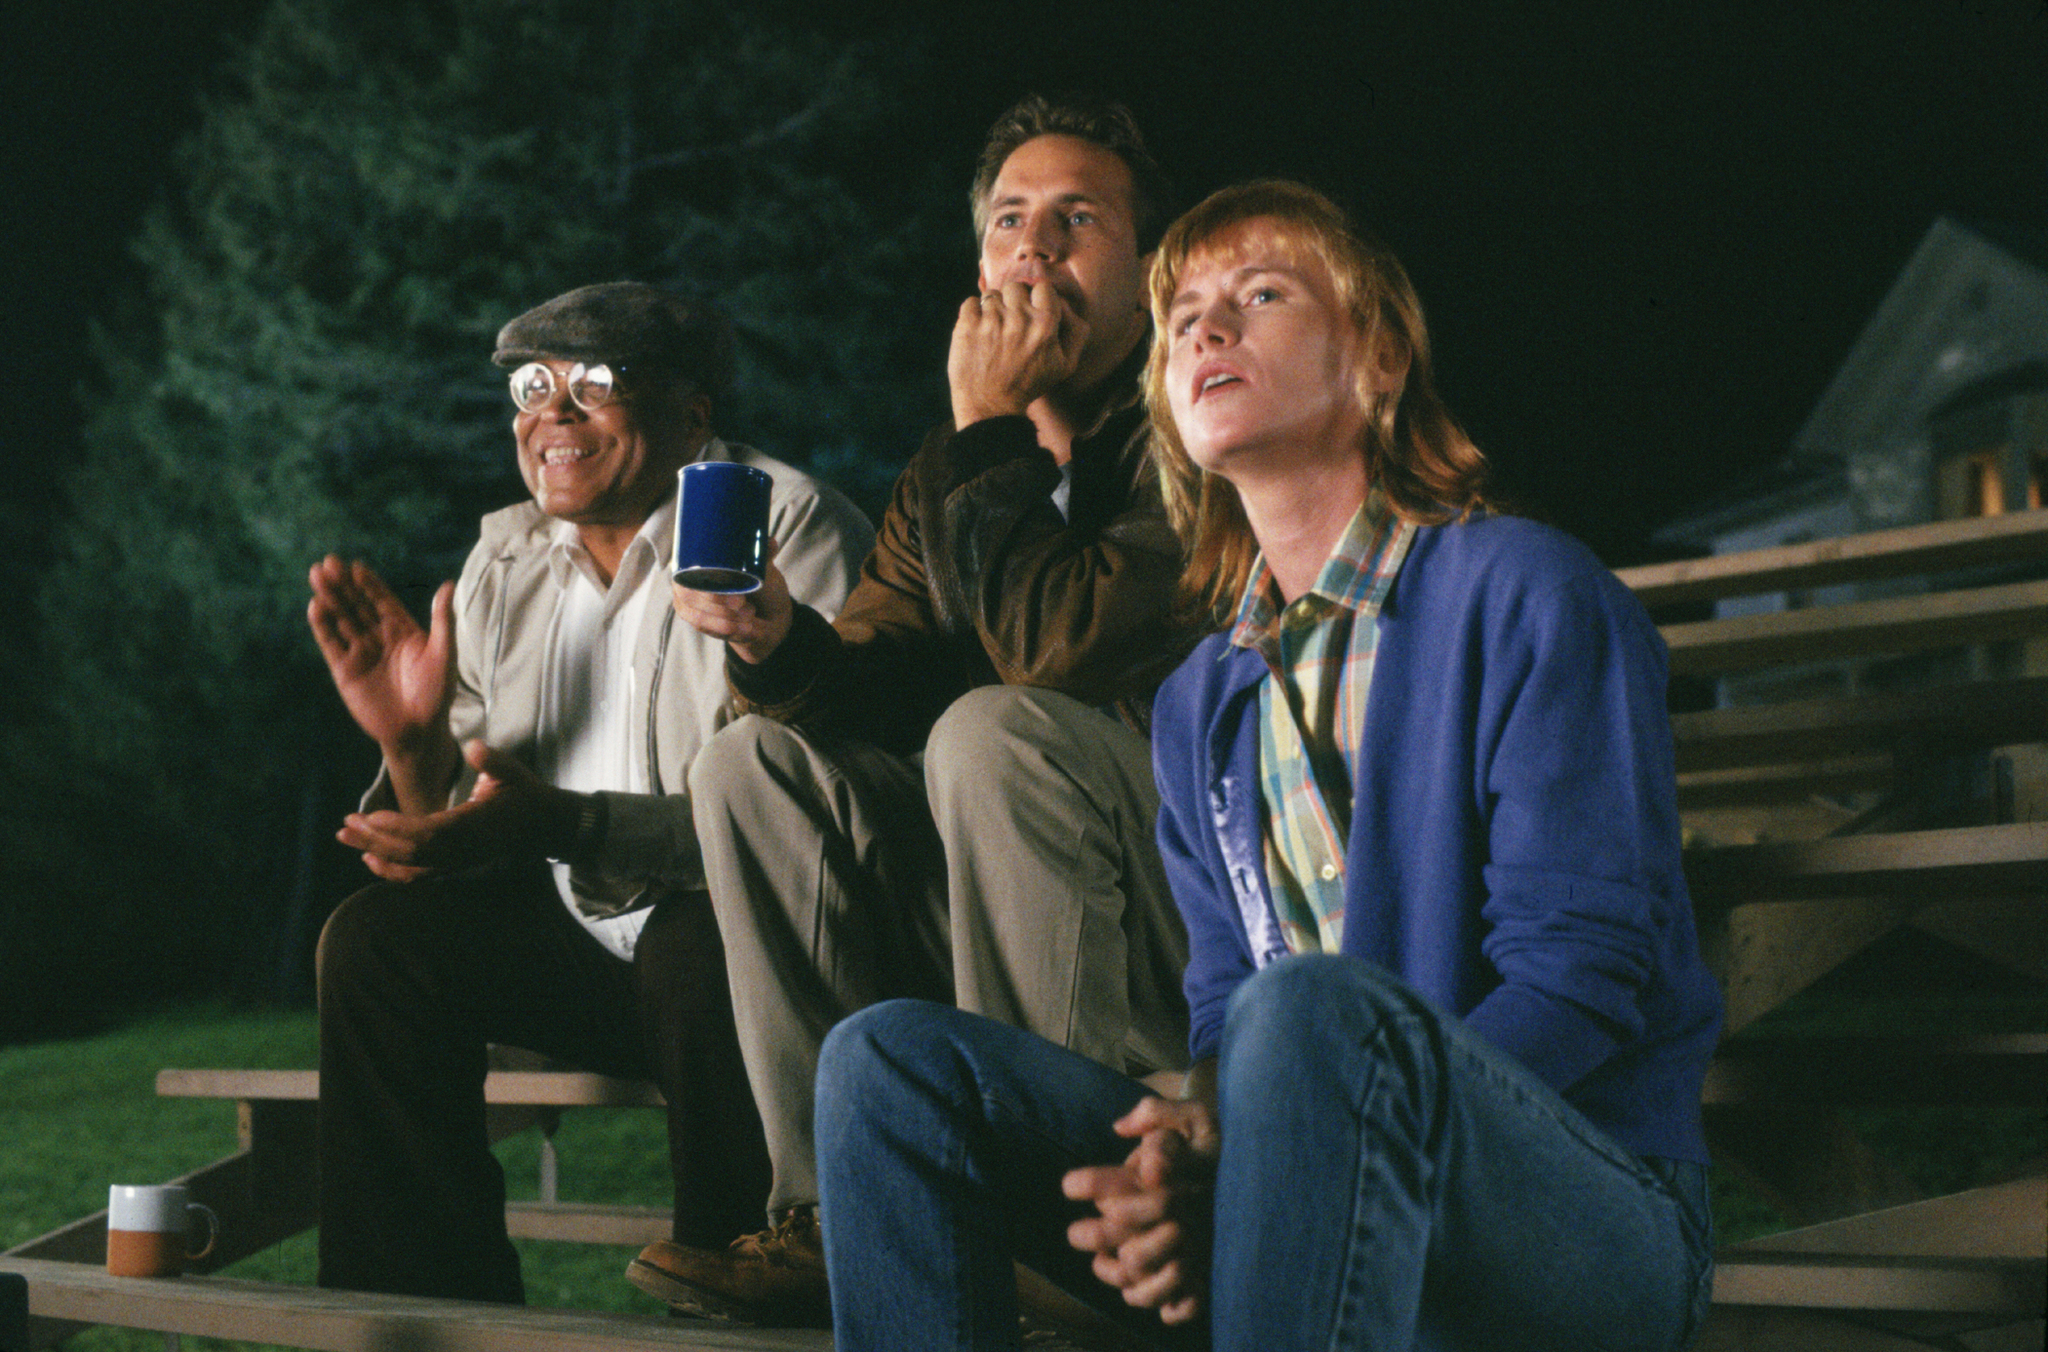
[
  {"x": 1936, "y": 721},
  {"x": 2009, "y": 860},
  {"x": 1975, "y": 1252},
  {"x": 1859, "y": 629},
  {"x": 353, "y": 1321},
  {"x": 1754, "y": 786},
  {"x": 1937, "y": 547},
  {"x": 1981, "y": 1286}
]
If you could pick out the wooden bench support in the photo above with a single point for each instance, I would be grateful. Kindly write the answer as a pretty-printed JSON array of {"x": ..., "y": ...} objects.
[
  {"x": 266, "y": 1192},
  {"x": 1766, "y": 953},
  {"x": 13, "y": 1312},
  {"x": 1772, "y": 1119},
  {"x": 263, "y": 1194},
  {"x": 2006, "y": 932}
]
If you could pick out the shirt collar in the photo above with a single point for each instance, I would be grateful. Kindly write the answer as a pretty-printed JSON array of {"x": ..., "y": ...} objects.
[
  {"x": 1357, "y": 575},
  {"x": 656, "y": 536}
]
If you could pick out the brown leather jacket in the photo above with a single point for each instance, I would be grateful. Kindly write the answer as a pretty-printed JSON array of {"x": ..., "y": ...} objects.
[{"x": 975, "y": 579}]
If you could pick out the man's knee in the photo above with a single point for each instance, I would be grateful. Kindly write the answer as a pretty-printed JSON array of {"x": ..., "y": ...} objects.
[
  {"x": 999, "y": 732},
  {"x": 361, "y": 927},
  {"x": 745, "y": 759},
  {"x": 869, "y": 1048}
]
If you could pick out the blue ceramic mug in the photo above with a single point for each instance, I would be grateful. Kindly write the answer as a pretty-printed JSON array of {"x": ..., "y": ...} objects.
[{"x": 721, "y": 526}]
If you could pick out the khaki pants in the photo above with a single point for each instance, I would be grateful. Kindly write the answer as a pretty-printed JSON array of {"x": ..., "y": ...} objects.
[{"x": 1013, "y": 873}]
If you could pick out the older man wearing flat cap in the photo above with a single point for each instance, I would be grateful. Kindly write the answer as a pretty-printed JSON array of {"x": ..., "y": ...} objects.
[{"x": 542, "y": 883}]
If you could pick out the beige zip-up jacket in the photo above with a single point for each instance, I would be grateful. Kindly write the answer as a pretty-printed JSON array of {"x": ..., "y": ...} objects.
[{"x": 505, "y": 605}]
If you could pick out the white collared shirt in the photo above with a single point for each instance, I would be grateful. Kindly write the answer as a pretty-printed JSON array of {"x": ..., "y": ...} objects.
[{"x": 586, "y": 736}]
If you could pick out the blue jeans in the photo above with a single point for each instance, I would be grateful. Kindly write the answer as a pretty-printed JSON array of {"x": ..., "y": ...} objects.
[{"x": 1388, "y": 1181}]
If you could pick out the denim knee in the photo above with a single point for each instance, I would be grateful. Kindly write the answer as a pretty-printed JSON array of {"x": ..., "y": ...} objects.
[
  {"x": 1301, "y": 1002},
  {"x": 869, "y": 1047},
  {"x": 1306, "y": 990}
]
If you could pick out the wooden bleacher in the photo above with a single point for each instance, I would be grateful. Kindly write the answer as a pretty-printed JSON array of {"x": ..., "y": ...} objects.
[
  {"x": 1820, "y": 823},
  {"x": 1817, "y": 825},
  {"x": 263, "y": 1194}
]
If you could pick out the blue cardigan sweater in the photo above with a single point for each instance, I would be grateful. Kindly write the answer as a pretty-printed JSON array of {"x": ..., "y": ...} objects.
[{"x": 1514, "y": 838}]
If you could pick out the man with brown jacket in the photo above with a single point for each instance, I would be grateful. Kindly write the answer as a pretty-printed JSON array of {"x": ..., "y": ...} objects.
[{"x": 947, "y": 791}]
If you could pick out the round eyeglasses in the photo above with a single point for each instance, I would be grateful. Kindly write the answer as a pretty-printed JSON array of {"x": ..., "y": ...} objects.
[{"x": 591, "y": 387}]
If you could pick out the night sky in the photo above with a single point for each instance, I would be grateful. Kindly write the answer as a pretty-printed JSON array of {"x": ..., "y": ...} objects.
[{"x": 1646, "y": 234}]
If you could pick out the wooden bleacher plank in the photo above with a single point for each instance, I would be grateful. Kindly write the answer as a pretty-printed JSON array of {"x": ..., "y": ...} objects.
[
  {"x": 1941, "y": 546},
  {"x": 568, "y": 1089},
  {"x": 1957, "y": 717},
  {"x": 2008, "y": 860},
  {"x": 1979, "y": 1286},
  {"x": 537, "y": 1088},
  {"x": 350, "y": 1321},
  {"x": 1767, "y": 785},
  {"x": 588, "y": 1222},
  {"x": 301, "y": 1085},
  {"x": 1859, "y": 629}
]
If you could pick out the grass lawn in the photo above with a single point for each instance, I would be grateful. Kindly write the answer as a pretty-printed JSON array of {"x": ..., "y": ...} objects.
[{"x": 79, "y": 1115}]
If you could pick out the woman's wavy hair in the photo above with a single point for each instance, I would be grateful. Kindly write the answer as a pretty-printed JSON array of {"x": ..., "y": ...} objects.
[{"x": 1415, "y": 453}]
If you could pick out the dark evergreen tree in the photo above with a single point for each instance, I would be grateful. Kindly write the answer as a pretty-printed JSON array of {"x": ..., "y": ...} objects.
[{"x": 373, "y": 190}]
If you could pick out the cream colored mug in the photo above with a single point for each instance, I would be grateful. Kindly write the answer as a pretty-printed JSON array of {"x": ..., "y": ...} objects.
[{"x": 149, "y": 1228}]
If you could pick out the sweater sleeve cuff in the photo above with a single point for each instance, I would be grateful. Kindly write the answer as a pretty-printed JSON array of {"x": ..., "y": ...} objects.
[{"x": 1554, "y": 1038}]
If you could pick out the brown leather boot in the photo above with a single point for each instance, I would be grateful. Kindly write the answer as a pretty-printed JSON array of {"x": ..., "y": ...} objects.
[{"x": 773, "y": 1279}]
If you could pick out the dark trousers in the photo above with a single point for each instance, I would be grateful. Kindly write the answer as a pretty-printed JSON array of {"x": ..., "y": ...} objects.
[{"x": 416, "y": 979}]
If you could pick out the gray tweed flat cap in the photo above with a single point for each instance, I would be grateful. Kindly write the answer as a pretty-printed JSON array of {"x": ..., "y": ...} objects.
[{"x": 627, "y": 324}]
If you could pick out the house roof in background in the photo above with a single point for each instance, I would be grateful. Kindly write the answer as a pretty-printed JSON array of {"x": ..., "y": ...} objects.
[{"x": 1970, "y": 305}]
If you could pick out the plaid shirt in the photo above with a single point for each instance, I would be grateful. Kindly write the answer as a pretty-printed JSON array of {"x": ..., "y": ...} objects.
[{"x": 1319, "y": 659}]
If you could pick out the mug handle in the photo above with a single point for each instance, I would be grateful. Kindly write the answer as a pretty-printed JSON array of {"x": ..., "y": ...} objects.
[{"x": 212, "y": 1230}]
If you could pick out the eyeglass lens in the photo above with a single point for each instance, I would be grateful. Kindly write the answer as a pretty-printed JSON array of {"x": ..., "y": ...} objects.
[{"x": 591, "y": 387}]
